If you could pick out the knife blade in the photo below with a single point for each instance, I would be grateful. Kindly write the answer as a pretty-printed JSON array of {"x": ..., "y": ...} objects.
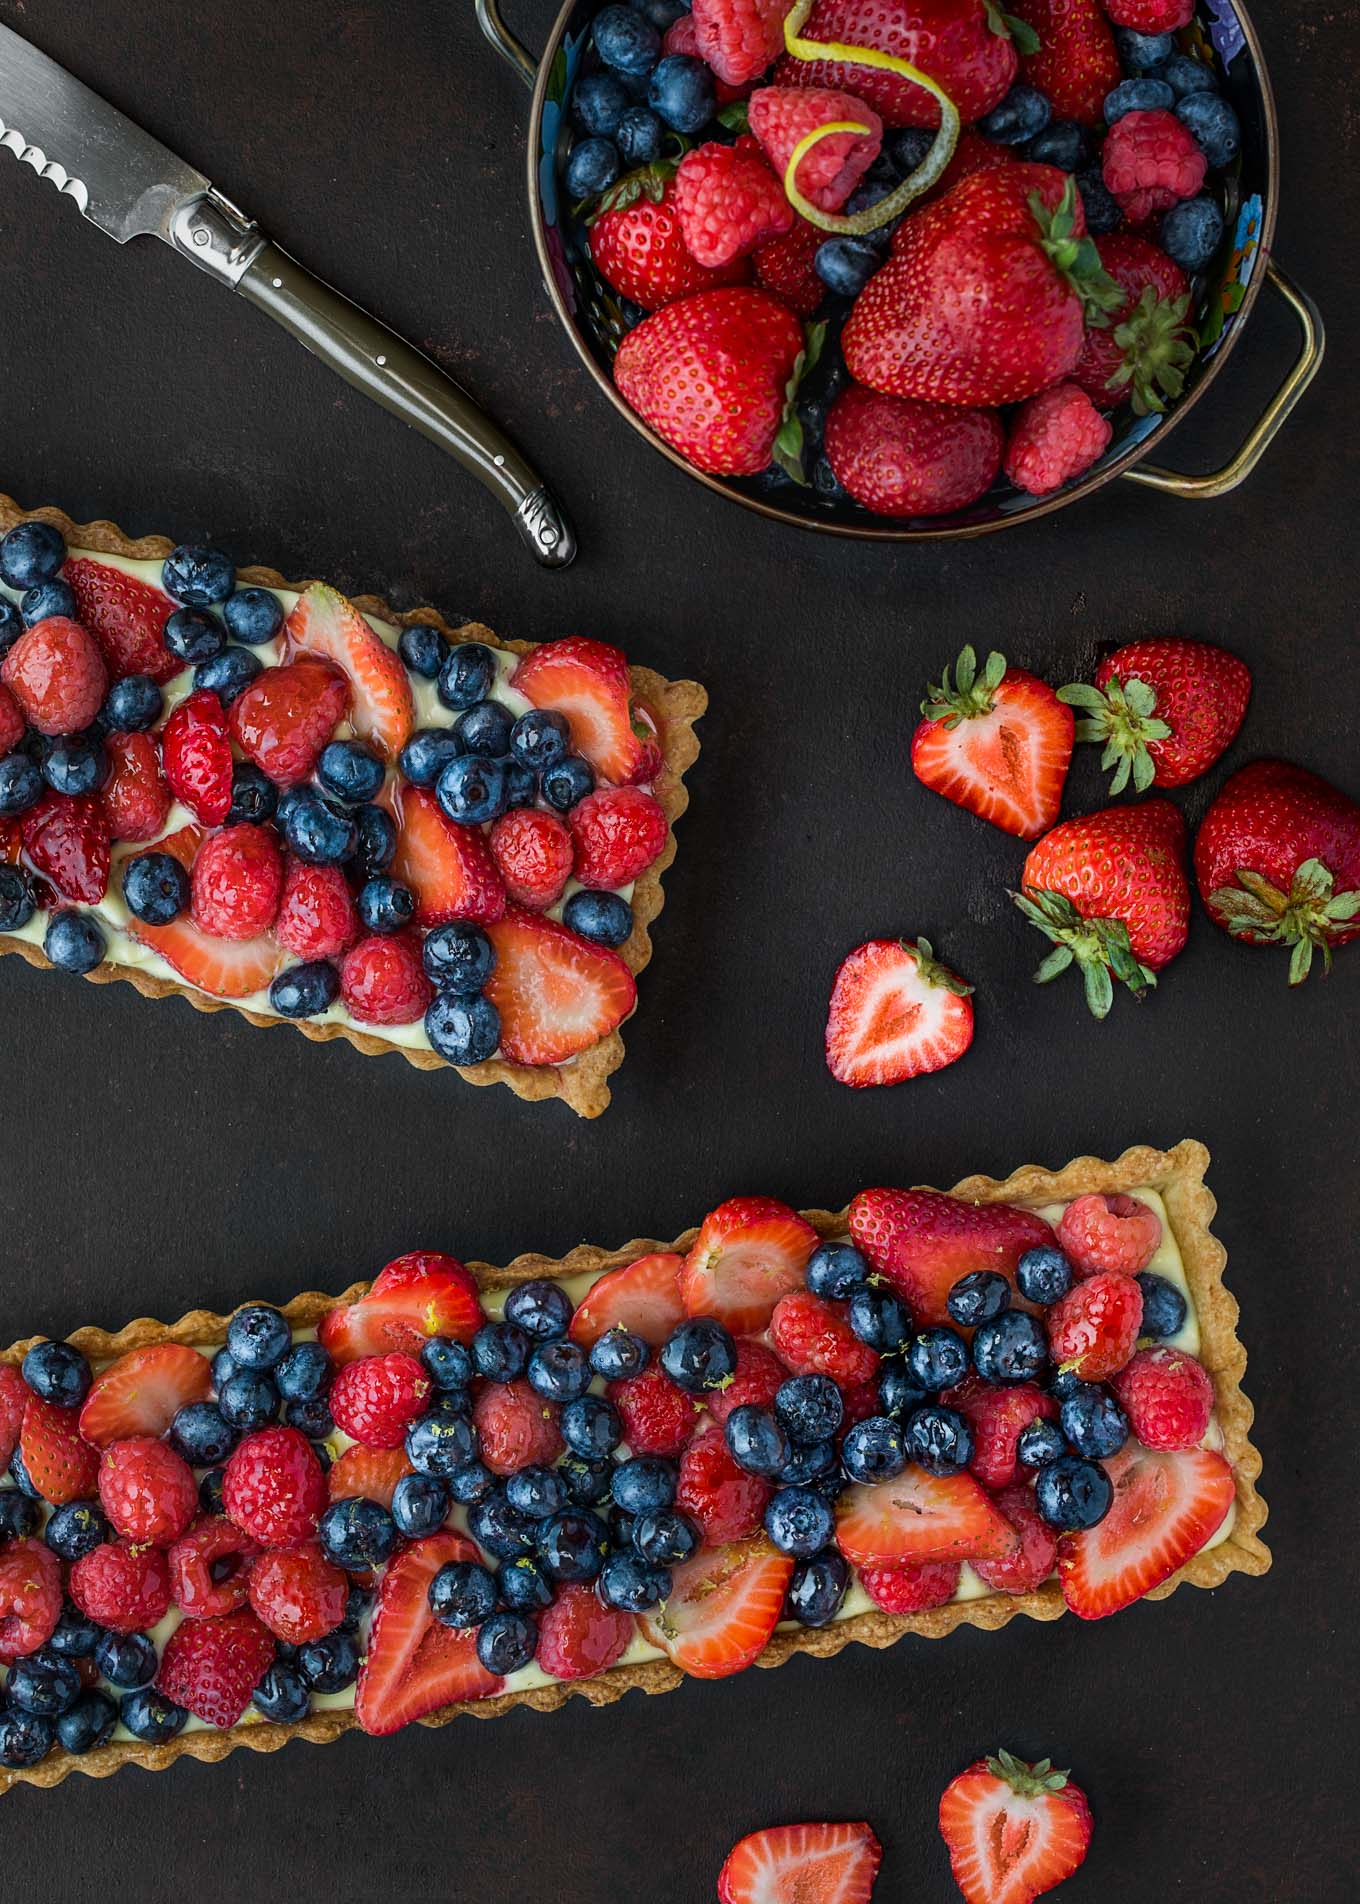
[{"x": 129, "y": 185}]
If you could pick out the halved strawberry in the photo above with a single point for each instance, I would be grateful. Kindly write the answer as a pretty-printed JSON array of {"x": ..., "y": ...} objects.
[
  {"x": 371, "y": 1473},
  {"x": 1166, "y": 1505},
  {"x": 125, "y": 615},
  {"x": 1013, "y": 1830},
  {"x": 643, "y": 1296},
  {"x": 322, "y": 622},
  {"x": 998, "y": 742},
  {"x": 556, "y": 993},
  {"x": 749, "y": 1252},
  {"x": 449, "y": 868},
  {"x": 896, "y": 1013},
  {"x": 923, "y": 1241},
  {"x": 225, "y": 968},
  {"x": 141, "y": 1393},
  {"x": 802, "y": 1864},
  {"x": 724, "y": 1604},
  {"x": 419, "y": 1295},
  {"x": 14, "y": 1393},
  {"x": 61, "y": 1465},
  {"x": 917, "y": 1517},
  {"x": 414, "y": 1665},
  {"x": 588, "y": 681}
]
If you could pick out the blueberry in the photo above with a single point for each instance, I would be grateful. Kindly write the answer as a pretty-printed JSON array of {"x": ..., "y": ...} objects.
[
  {"x": 427, "y": 753},
  {"x": 639, "y": 136},
  {"x": 699, "y": 1355},
  {"x": 572, "y": 1544},
  {"x": 626, "y": 41},
  {"x": 150, "y": 1716},
  {"x": 471, "y": 790},
  {"x": 937, "y": 1359},
  {"x": 313, "y": 1417},
  {"x": 605, "y": 918},
  {"x": 799, "y": 1521},
  {"x": 1040, "y": 1443},
  {"x": 1072, "y": 1493},
  {"x": 1012, "y": 1349},
  {"x": 1043, "y": 1275},
  {"x": 1064, "y": 144},
  {"x": 587, "y": 1480},
  {"x": 126, "y": 1660},
  {"x": 318, "y": 832},
  {"x": 536, "y": 1492},
  {"x": 44, "y": 1683},
  {"x": 521, "y": 785},
  {"x": 385, "y": 905},
  {"x": 467, "y": 675},
  {"x": 621, "y": 1525},
  {"x": 47, "y": 598},
  {"x": 21, "y": 785},
  {"x": 32, "y": 552},
  {"x": 591, "y": 169},
  {"x": 228, "y": 675},
  {"x": 331, "y": 1663},
  {"x": 420, "y": 1503},
  {"x": 599, "y": 102},
  {"x": 75, "y": 766},
  {"x": 440, "y": 1443},
  {"x": 681, "y": 92},
  {"x": 202, "y": 1434},
  {"x": 809, "y": 1408},
  {"x": 19, "y": 1515},
  {"x": 564, "y": 785},
  {"x": 198, "y": 577},
  {"x": 495, "y": 1525},
  {"x": 541, "y": 1307},
  {"x": 210, "y": 1491},
  {"x": 448, "y": 1364},
  {"x": 835, "y": 1270},
  {"x": 755, "y": 1440},
  {"x": 485, "y": 730},
  {"x": 462, "y": 1594},
  {"x": 249, "y": 1400},
  {"x": 907, "y": 148},
  {"x": 523, "y": 1585},
  {"x": 1022, "y": 113},
  {"x": 628, "y": 1583},
  {"x": 282, "y": 1695},
  {"x": 1144, "y": 94},
  {"x": 939, "y": 1439},
  {"x": 618, "y": 1355},
  {"x": 665, "y": 1538},
  {"x": 254, "y": 797},
  {"x": 871, "y": 192},
  {"x": 1139, "y": 51},
  {"x": 303, "y": 990},
  {"x": 304, "y": 1373},
  {"x": 357, "y": 1534},
  {"x": 1213, "y": 124},
  {"x": 351, "y": 771},
  {"x": 192, "y": 634},
  {"x": 1163, "y": 1307},
  {"x": 1094, "y": 1423},
  {"x": 16, "y": 898},
  {"x": 538, "y": 739},
  {"x": 1065, "y": 1382},
  {"x": 1192, "y": 232},
  {"x": 845, "y": 265},
  {"x": 423, "y": 649},
  {"x": 559, "y": 1371},
  {"x": 471, "y": 1484},
  {"x": 978, "y": 1297},
  {"x": 24, "y": 1738},
  {"x": 11, "y": 625},
  {"x": 500, "y": 1351},
  {"x": 817, "y": 1588},
  {"x": 253, "y": 615},
  {"x": 376, "y": 839},
  {"x": 21, "y": 1477},
  {"x": 1098, "y": 201},
  {"x": 72, "y": 1530},
  {"x": 1185, "y": 75},
  {"x": 880, "y": 1319},
  {"x": 132, "y": 705},
  {"x": 88, "y": 1724},
  {"x": 74, "y": 942},
  {"x": 662, "y": 13},
  {"x": 458, "y": 957},
  {"x": 75, "y": 1635},
  {"x": 645, "y": 1482},
  {"x": 506, "y": 1642},
  {"x": 258, "y": 1337},
  {"x": 814, "y": 1464},
  {"x": 874, "y": 1449},
  {"x": 57, "y": 1372}
]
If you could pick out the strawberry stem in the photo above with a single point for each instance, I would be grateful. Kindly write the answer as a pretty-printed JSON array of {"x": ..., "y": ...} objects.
[
  {"x": 1305, "y": 918},
  {"x": 969, "y": 693},
  {"x": 931, "y": 972},
  {"x": 1076, "y": 258},
  {"x": 1158, "y": 348},
  {"x": 1025, "y": 1780},
  {"x": 1099, "y": 948},
  {"x": 1123, "y": 718}
]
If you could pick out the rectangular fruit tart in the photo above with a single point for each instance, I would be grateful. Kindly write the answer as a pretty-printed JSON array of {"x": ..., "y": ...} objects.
[
  {"x": 461, "y": 1489},
  {"x": 378, "y": 827}
]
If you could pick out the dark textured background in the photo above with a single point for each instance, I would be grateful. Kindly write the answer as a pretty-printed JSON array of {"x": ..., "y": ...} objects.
[{"x": 154, "y": 1160}]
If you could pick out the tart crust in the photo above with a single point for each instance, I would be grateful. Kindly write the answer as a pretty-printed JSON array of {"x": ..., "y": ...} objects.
[
  {"x": 581, "y": 1082},
  {"x": 1177, "y": 1175}
]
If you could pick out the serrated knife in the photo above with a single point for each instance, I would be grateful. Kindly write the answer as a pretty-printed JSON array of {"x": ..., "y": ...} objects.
[{"x": 130, "y": 186}]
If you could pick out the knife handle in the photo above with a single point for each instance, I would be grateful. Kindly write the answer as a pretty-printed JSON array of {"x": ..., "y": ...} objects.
[{"x": 380, "y": 364}]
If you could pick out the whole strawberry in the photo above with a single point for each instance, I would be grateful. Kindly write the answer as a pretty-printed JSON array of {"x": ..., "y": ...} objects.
[
  {"x": 638, "y": 248},
  {"x": 1144, "y": 351},
  {"x": 784, "y": 267},
  {"x": 1277, "y": 860},
  {"x": 1164, "y": 709},
  {"x": 1074, "y": 62},
  {"x": 965, "y": 46},
  {"x": 1110, "y": 890},
  {"x": 903, "y": 458}
]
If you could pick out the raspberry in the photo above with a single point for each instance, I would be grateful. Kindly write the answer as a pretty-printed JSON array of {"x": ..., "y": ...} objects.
[
  {"x": 30, "y": 1597},
  {"x": 1167, "y": 1396},
  {"x": 135, "y": 796},
  {"x": 998, "y": 1417},
  {"x": 814, "y": 1338},
  {"x": 67, "y": 837},
  {"x": 911, "y": 1589},
  {"x": 532, "y": 850},
  {"x": 618, "y": 832},
  {"x": 286, "y": 716},
  {"x": 57, "y": 675},
  {"x": 682, "y": 37},
  {"x": 515, "y": 1427},
  {"x": 274, "y": 1488},
  {"x": 758, "y": 1378},
  {"x": 211, "y": 1667},
  {"x": 782, "y": 116},
  {"x": 658, "y": 1417},
  {"x": 126, "y": 1589},
  {"x": 147, "y": 1490},
  {"x": 1150, "y": 16},
  {"x": 739, "y": 38},
  {"x": 1102, "y": 1233},
  {"x": 383, "y": 982},
  {"x": 236, "y": 883},
  {"x": 316, "y": 918},
  {"x": 210, "y": 1567},
  {"x": 196, "y": 754},
  {"x": 728, "y": 199},
  {"x": 858, "y": 1403},
  {"x": 12, "y": 722},
  {"x": 1149, "y": 162},
  {"x": 726, "y": 1502},
  {"x": 579, "y": 1635},
  {"x": 1054, "y": 437},
  {"x": 1033, "y": 1560},
  {"x": 1094, "y": 1328},
  {"x": 298, "y": 1593},
  {"x": 375, "y": 1399},
  {"x": 784, "y": 266}
]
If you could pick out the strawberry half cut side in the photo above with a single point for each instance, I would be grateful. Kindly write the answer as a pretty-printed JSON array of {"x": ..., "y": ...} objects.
[
  {"x": 415, "y": 1666},
  {"x": 143, "y": 1391},
  {"x": 919, "y": 1517},
  {"x": 896, "y": 1013},
  {"x": 749, "y": 1253},
  {"x": 998, "y": 742},
  {"x": 422, "y": 1294},
  {"x": 1165, "y": 1507},
  {"x": 643, "y": 1297},
  {"x": 323, "y": 623},
  {"x": 556, "y": 993},
  {"x": 724, "y": 1604},
  {"x": 923, "y": 1241},
  {"x": 802, "y": 1864},
  {"x": 1013, "y": 1830}
]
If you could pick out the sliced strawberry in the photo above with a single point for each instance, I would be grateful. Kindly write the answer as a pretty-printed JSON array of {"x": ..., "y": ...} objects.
[
  {"x": 143, "y": 1391},
  {"x": 643, "y": 1297},
  {"x": 1165, "y": 1507},
  {"x": 125, "y": 615},
  {"x": 556, "y": 994},
  {"x": 196, "y": 755},
  {"x": 896, "y": 1013},
  {"x": 449, "y": 868},
  {"x": 923, "y": 1241},
  {"x": 724, "y": 1604},
  {"x": 323, "y": 623},
  {"x": 371, "y": 1473},
  {"x": 419, "y": 1295},
  {"x": 226, "y": 968},
  {"x": 66, "y": 837},
  {"x": 1013, "y": 1830},
  {"x": 998, "y": 742},
  {"x": 414, "y": 1666},
  {"x": 60, "y": 1464},
  {"x": 14, "y": 1393},
  {"x": 749, "y": 1252},
  {"x": 802, "y": 1864},
  {"x": 587, "y": 681},
  {"x": 287, "y": 714},
  {"x": 918, "y": 1517}
]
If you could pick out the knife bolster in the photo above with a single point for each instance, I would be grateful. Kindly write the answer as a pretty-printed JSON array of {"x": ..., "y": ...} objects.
[{"x": 213, "y": 234}]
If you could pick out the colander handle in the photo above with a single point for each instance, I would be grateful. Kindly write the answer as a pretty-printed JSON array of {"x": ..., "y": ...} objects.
[
  {"x": 1268, "y": 425},
  {"x": 515, "y": 55}
]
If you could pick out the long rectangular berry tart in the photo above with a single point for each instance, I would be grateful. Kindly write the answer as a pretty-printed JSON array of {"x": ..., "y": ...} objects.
[
  {"x": 260, "y": 796},
  {"x": 460, "y": 1489}
]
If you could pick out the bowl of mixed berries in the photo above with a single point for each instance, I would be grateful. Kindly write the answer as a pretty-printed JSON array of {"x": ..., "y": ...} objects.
[{"x": 900, "y": 268}]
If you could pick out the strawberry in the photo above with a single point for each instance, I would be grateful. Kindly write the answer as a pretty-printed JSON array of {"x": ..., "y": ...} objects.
[
  {"x": 1277, "y": 860},
  {"x": 59, "y": 1463},
  {"x": 125, "y": 615},
  {"x": 903, "y": 458},
  {"x": 1145, "y": 349},
  {"x": 135, "y": 797},
  {"x": 14, "y": 1392},
  {"x": 1149, "y": 162},
  {"x": 757, "y": 1380},
  {"x": 298, "y": 1594},
  {"x": 724, "y": 1501},
  {"x": 965, "y": 45},
  {"x": 1094, "y": 1328},
  {"x": 370, "y": 1473},
  {"x": 323, "y": 623},
  {"x": 814, "y": 1338},
  {"x": 728, "y": 200},
  {"x": 66, "y": 837},
  {"x": 784, "y": 266},
  {"x": 515, "y": 1427},
  {"x": 1033, "y": 1560},
  {"x": 533, "y": 854},
  {"x": 1054, "y": 438},
  {"x": 1151, "y": 16},
  {"x": 286, "y": 715},
  {"x": 722, "y": 1609},
  {"x": 383, "y": 982},
  {"x": 588, "y": 681},
  {"x": 998, "y": 743},
  {"x": 783, "y": 116},
  {"x": 922, "y": 1242},
  {"x": 316, "y": 917},
  {"x": 749, "y": 1252},
  {"x": 658, "y": 1417},
  {"x": 415, "y": 1666},
  {"x": 11, "y": 843},
  {"x": 895, "y": 1013},
  {"x": 375, "y": 1399},
  {"x": 642, "y": 1296},
  {"x": 986, "y": 296},
  {"x": 273, "y": 1487},
  {"x": 196, "y": 755},
  {"x": 419, "y": 1295},
  {"x": 211, "y": 1667},
  {"x": 739, "y": 38},
  {"x": 143, "y": 1391},
  {"x": 972, "y": 154},
  {"x": 617, "y": 833},
  {"x": 556, "y": 993},
  {"x": 1013, "y": 1830},
  {"x": 210, "y": 1567},
  {"x": 915, "y": 1589},
  {"x": 637, "y": 245},
  {"x": 126, "y": 1589},
  {"x": 147, "y": 1490},
  {"x": 1166, "y": 1506},
  {"x": 237, "y": 882},
  {"x": 998, "y": 1417},
  {"x": 1168, "y": 1397},
  {"x": 1075, "y": 62},
  {"x": 1109, "y": 889},
  {"x": 450, "y": 868},
  {"x": 802, "y": 1864},
  {"x": 1164, "y": 709},
  {"x": 712, "y": 376},
  {"x": 57, "y": 675},
  {"x": 12, "y": 722},
  {"x": 30, "y": 1597},
  {"x": 225, "y": 968},
  {"x": 919, "y": 1517},
  {"x": 1096, "y": 1233},
  {"x": 578, "y": 1635}
]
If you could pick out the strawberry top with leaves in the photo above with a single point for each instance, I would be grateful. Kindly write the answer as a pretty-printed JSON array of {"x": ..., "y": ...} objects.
[
  {"x": 1164, "y": 709},
  {"x": 997, "y": 742},
  {"x": 1013, "y": 1830},
  {"x": 639, "y": 249},
  {"x": 966, "y": 46},
  {"x": 1146, "y": 348}
]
